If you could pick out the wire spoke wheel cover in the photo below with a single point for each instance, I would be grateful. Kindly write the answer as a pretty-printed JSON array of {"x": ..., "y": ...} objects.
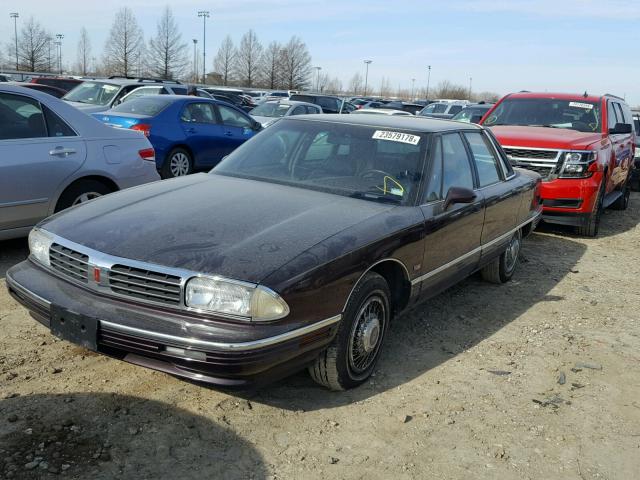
[
  {"x": 85, "y": 197},
  {"x": 179, "y": 164},
  {"x": 366, "y": 335},
  {"x": 511, "y": 254}
]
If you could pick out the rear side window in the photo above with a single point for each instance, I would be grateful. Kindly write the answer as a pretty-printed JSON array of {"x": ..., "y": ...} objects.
[
  {"x": 56, "y": 126},
  {"x": 198, "y": 113},
  {"x": 329, "y": 104},
  {"x": 299, "y": 110},
  {"x": 143, "y": 105},
  {"x": 179, "y": 91},
  {"x": 484, "y": 158},
  {"x": 20, "y": 117}
]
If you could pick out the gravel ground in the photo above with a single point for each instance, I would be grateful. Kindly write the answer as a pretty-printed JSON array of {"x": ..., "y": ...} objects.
[{"x": 539, "y": 378}]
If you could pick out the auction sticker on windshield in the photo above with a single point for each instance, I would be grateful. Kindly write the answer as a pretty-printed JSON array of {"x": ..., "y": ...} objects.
[
  {"x": 587, "y": 106},
  {"x": 396, "y": 137}
]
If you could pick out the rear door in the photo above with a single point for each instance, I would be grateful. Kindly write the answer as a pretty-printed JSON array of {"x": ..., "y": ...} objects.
[
  {"x": 452, "y": 234},
  {"x": 238, "y": 128},
  {"x": 38, "y": 151},
  {"x": 203, "y": 132}
]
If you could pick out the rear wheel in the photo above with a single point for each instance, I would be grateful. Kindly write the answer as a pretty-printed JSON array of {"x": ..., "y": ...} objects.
[
  {"x": 351, "y": 357},
  {"x": 81, "y": 192},
  {"x": 502, "y": 268},
  {"x": 590, "y": 228},
  {"x": 178, "y": 164}
]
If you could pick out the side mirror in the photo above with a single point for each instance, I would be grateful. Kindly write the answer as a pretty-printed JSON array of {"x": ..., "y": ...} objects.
[
  {"x": 257, "y": 126},
  {"x": 458, "y": 195},
  {"x": 476, "y": 118},
  {"x": 620, "y": 128}
]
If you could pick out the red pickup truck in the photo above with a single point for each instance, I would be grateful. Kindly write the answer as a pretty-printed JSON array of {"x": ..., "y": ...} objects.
[{"x": 582, "y": 145}]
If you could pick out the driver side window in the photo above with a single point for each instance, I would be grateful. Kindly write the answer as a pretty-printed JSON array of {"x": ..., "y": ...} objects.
[{"x": 455, "y": 164}]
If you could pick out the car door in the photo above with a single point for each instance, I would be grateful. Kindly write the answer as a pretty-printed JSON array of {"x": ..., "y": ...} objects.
[
  {"x": 238, "y": 128},
  {"x": 204, "y": 134},
  {"x": 38, "y": 151},
  {"x": 452, "y": 233},
  {"x": 622, "y": 147},
  {"x": 501, "y": 196}
]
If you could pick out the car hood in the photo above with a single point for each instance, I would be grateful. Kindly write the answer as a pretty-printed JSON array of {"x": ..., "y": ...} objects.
[
  {"x": 544, "y": 137},
  {"x": 237, "y": 228},
  {"x": 88, "y": 108}
]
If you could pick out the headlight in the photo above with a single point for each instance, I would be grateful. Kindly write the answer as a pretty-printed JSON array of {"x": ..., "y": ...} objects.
[
  {"x": 226, "y": 297},
  {"x": 39, "y": 243},
  {"x": 577, "y": 164}
]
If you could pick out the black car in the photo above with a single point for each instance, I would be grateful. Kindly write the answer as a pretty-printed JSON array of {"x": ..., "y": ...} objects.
[
  {"x": 297, "y": 250},
  {"x": 328, "y": 103},
  {"x": 412, "y": 108}
]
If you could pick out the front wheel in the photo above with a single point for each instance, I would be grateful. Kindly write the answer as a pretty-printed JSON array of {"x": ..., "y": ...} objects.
[
  {"x": 623, "y": 200},
  {"x": 178, "y": 164},
  {"x": 502, "y": 268},
  {"x": 592, "y": 225},
  {"x": 351, "y": 357}
]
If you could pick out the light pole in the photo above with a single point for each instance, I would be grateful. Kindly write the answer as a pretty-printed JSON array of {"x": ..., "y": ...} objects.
[
  {"x": 413, "y": 84},
  {"x": 60, "y": 36},
  {"x": 58, "y": 45},
  {"x": 428, "y": 80},
  {"x": 195, "y": 60},
  {"x": 366, "y": 77},
  {"x": 318, "y": 78},
  {"x": 470, "y": 83},
  {"x": 204, "y": 14},
  {"x": 15, "y": 16}
]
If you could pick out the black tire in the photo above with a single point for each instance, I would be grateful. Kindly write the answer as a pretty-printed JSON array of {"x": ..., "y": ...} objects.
[
  {"x": 74, "y": 193},
  {"x": 177, "y": 164},
  {"x": 623, "y": 202},
  {"x": 336, "y": 368},
  {"x": 502, "y": 268},
  {"x": 592, "y": 225}
]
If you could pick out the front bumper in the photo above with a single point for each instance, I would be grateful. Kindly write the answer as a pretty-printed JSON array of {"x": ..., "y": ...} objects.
[
  {"x": 569, "y": 201},
  {"x": 163, "y": 341}
]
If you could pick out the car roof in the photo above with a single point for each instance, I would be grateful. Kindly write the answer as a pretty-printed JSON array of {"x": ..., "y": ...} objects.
[
  {"x": 558, "y": 96},
  {"x": 403, "y": 122},
  {"x": 129, "y": 81},
  {"x": 293, "y": 103}
]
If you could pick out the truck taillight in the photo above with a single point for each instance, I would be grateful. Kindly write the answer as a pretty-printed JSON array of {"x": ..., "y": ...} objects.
[
  {"x": 148, "y": 154},
  {"x": 142, "y": 127}
]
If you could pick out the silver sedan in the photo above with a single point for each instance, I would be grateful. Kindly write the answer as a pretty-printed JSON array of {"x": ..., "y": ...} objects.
[{"x": 53, "y": 156}]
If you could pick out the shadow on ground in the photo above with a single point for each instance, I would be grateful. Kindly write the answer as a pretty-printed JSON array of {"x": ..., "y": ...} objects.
[
  {"x": 107, "y": 436},
  {"x": 436, "y": 331},
  {"x": 12, "y": 252}
]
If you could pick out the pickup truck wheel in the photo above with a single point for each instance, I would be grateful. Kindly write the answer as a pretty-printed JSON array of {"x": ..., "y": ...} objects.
[
  {"x": 623, "y": 202},
  {"x": 177, "y": 164},
  {"x": 351, "y": 357},
  {"x": 590, "y": 228},
  {"x": 80, "y": 192},
  {"x": 501, "y": 269}
]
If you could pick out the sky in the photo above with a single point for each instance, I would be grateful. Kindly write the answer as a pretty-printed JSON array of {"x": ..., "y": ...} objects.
[{"x": 503, "y": 45}]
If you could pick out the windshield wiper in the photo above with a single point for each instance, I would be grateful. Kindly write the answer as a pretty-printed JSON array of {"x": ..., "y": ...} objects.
[{"x": 377, "y": 196}]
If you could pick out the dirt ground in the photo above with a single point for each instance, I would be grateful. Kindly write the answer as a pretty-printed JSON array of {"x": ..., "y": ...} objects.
[{"x": 536, "y": 379}]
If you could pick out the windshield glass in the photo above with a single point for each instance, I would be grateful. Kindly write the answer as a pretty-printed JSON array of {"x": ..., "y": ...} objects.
[
  {"x": 271, "y": 109},
  {"x": 465, "y": 114},
  {"x": 371, "y": 163},
  {"x": 143, "y": 105},
  {"x": 577, "y": 115},
  {"x": 93, "y": 93}
]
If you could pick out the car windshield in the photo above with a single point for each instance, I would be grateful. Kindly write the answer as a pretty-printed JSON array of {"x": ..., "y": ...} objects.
[
  {"x": 93, "y": 93},
  {"x": 466, "y": 114},
  {"x": 372, "y": 163},
  {"x": 143, "y": 106},
  {"x": 271, "y": 109},
  {"x": 580, "y": 115}
]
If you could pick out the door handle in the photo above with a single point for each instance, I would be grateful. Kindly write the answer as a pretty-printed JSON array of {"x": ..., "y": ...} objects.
[
  {"x": 228, "y": 134},
  {"x": 62, "y": 152}
]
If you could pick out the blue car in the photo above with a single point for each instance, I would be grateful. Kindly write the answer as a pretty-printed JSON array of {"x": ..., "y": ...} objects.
[{"x": 187, "y": 133}]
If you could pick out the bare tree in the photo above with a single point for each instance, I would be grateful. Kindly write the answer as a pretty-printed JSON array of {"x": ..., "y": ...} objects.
[
  {"x": 224, "y": 61},
  {"x": 334, "y": 85},
  {"x": 271, "y": 74},
  {"x": 123, "y": 45},
  {"x": 447, "y": 89},
  {"x": 356, "y": 83},
  {"x": 167, "y": 52},
  {"x": 33, "y": 46},
  {"x": 247, "y": 65},
  {"x": 295, "y": 64},
  {"x": 84, "y": 52},
  {"x": 385, "y": 87}
]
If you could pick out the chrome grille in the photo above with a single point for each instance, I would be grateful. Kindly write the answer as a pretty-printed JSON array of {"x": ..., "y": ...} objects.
[
  {"x": 531, "y": 154},
  {"x": 145, "y": 284},
  {"x": 69, "y": 263}
]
